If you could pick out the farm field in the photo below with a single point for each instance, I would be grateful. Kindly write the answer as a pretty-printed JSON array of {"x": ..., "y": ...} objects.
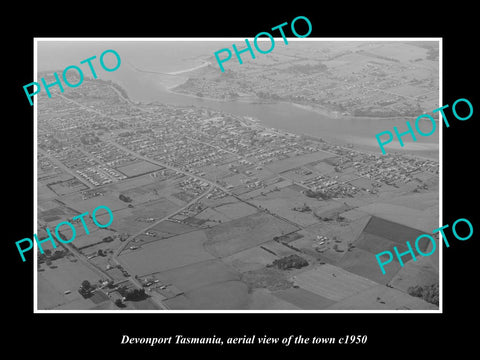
[
  {"x": 279, "y": 249},
  {"x": 251, "y": 259},
  {"x": 296, "y": 161},
  {"x": 69, "y": 186},
  {"x": 421, "y": 272},
  {"x": 240, "y": 234},
  {"x": 236, "y": 210},
  {"x": 156, "y": 209},
  {"x": 262, "y": 299},
  {"x": 424, "y": 221},
  {"x": 365, "y": 264},
  {"x": 197, "y": 275},
  {"x": 390, "y": 230},
  {"x": 166, "y": 254},
  {"x": 283, "y": 201},
  {"x": 138, "y": 168},
  {"x": 382, "y": 298},
  {"x": 332, "y": 282},
  {"x": 109, "y": 198},
  {"x": 173, "y": 227},
  {"x": 304, "y": 299},
  {"x": 211, "y": 216},
  {"x": 219, "y": 296},
  {"x": 52, "y": 283},
  {"x": 96, "y": 235}
]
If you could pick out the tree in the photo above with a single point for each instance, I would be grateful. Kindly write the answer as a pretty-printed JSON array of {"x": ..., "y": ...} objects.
[
  {"x": 135, "y": 294},
  {"x": 119, "y": 303},
  {"x": 107, "y": 239},
  {"x": 415, "y": 291},
  {"x": 124, "y": 198},
  {"x": 122, "y": 290},
  {"x": 291, "y": 261},
  {"x": 428, "y": 293},
  {"x": 86, "y": 285}
]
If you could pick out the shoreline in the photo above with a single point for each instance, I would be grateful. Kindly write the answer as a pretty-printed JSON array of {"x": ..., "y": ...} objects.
[
  {"x": 425, "y": 150},
  {"x": 204, "y": 64}
]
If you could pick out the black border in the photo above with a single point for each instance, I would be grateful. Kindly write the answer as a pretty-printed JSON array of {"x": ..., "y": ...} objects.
[{"x": 410, "y": 334}]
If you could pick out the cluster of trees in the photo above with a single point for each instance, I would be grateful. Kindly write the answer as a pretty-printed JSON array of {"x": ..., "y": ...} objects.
[
  {"x": 289, "y": 262},
  {"x": 86, "y": 289},
  {"x": 428, "y": 293},
  {"x": 107, "y": 239},
  {"x": 316, "y": 194},
  {"x": 132, "y": 294},
  {"x": 49, "y": 256},
  {"x": 120, "y": 303},
  {"x": 125, "y": 198},
  {"x": 304, "y": 208}
]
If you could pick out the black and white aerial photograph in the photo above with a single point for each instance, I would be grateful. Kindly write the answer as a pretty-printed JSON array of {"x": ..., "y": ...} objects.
[{"x": 247, "y": 186}]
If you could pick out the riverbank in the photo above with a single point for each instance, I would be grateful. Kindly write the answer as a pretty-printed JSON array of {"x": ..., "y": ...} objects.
[
  {"x": 424, "y": 150},
  {"x": 285, "y": 116}
]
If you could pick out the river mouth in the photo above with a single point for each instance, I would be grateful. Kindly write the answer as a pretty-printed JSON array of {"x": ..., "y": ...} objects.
[{"x": 145, "y": 87}]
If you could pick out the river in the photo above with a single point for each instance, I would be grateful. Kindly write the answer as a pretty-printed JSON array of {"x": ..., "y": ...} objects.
[
  {"x": 149, "y": 87},
  {"x": 164, "y": 57}
]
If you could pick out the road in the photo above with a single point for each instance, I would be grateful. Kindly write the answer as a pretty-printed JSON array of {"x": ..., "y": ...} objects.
[
  {"x": 120, "y": 249},
  {"x": 66, "y": 169},
  {"x": 186, "y": 173},
  {"x": 155, "y": 296},
  {"x": 84, "y": 260}
]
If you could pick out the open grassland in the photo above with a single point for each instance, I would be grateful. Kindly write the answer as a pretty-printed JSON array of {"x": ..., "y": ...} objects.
[
  {"x": 304, "y": 299},
  {"x": 52, "y": 283},
  {"x": 296, "y": 161},
  {"x": 251, "y": 259},
  {"x": 240, "y": 234},
  {"x": 283, "y": 203},
  {"x": 422, "y": 272},
  {"x": 228, "y": 295},
  {"x": 382, "y": 298},
  {"x": 424, "y": 221},
  {"x": 191, "y": 277},
  {"x": 364, "y": 263},
  {"x": 172, "y": 227},
  {"x": 392, "y": 231},
  {"x": 109, "y": 198},
  {"x": 211, "y": 216},
  {"x": 332, "y": 282},
  {"x": 156, "y": 209},
  {"x": 138, "y": 168},
  {"x": 263, "y": 299},
  {"x": 236, "y": 210},
  {"x": 167, "y": 254}
]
